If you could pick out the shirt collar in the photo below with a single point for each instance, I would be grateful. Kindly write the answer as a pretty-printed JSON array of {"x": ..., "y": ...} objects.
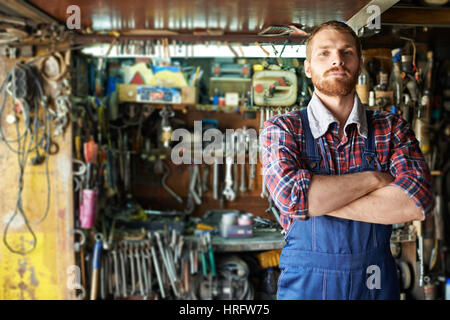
[{"x": 320, "y": 117}]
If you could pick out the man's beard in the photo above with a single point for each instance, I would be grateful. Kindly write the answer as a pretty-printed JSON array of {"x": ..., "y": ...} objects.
[{"x": 335, "y": 86}]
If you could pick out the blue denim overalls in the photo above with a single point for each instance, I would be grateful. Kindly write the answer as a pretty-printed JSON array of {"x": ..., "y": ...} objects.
[{"x": 333, "y": 258}]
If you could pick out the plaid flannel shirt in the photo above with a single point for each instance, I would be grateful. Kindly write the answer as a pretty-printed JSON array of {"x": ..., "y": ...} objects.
[{"x": 283, "y": 146}]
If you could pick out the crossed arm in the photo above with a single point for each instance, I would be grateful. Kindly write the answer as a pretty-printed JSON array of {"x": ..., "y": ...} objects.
[
  {"x": 401, "y": 195},
  {"x": 365, "y": 196}
]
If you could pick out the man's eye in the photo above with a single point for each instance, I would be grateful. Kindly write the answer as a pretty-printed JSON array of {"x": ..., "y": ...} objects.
[
  {"x": 323, "y": 53},
  {"x": 348, "y": 52}
]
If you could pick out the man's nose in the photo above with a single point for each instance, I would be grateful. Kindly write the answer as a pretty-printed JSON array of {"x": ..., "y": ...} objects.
[{"x": 338, "y": 59}]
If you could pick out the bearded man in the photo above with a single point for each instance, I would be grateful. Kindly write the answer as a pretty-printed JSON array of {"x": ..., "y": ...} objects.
[{"x": 340, "y": 176}]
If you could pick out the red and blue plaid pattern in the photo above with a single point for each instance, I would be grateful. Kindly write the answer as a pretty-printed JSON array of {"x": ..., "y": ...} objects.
[{"x": 284, "y": 157}]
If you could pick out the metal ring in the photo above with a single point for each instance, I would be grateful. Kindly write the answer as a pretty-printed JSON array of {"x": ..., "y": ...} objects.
[
  {"x": 99, "y": 237},
  {"x": 51, "y": 147},
  {"x": 82, "y": 169},
  {"x": 82, "y": 236}
]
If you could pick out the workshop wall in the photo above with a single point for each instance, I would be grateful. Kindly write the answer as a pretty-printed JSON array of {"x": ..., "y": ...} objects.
[{"x": 42, "y": 273}]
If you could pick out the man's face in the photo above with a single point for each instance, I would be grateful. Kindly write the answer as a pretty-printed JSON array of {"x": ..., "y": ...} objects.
[{"x": 333, "y": 64}]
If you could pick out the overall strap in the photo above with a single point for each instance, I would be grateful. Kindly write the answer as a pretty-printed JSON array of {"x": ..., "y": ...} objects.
[
  {"x": 311, "y": 145},
  {"x": 369, "y": 156}
]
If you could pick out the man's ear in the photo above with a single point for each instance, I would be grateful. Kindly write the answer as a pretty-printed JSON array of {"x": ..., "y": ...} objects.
[
  {"x": 361, "y": 62},
  {"x": 307, "y": 68}
]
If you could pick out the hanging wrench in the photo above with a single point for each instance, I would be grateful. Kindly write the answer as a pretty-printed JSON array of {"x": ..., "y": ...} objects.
[
  {"x": 264, "y": 193},
  {"x": 109, "y": 271},
  {"x": 144, "y": 257},
  {"x": 242, "y": 187},
  {"x": 261, "y": 118},
  {"x": 253, "y": 147},
  {"x": 133, "y": 278},
  {"x": 123, "y": 270},
  {"x": 251, "y": 177},
  {"x": 193, "y": 182},
  {"x": 116, "y": 273},
  {"x": 216, "y": 179},
  {"x": 179, "y": 248},
  {"x": 191, "y": 258},
  {"x": 228, "y": 190},
  {"x": 243, "y": 145},
  {"x": 205, "y": 179},
  {"x": 235, "y": 178},
  {"x": 155, "y": 263},
  {"x": 139, "y": 270},
  {"x": 267, "y": 114},
  {"x": 149, "y": 262},
  {"x": 166, "y": 263},
  {"x": 103, "y": 267}
]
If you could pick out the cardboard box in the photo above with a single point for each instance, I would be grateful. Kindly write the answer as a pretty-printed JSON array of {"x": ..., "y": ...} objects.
[
  {"x": 189, "y": 95},
  {"x": 155, "y": 94}
]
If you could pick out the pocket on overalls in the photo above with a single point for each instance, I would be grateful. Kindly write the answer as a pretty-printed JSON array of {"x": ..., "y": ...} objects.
[
  {"x": 291, "y": 227},
  {"x": 299, "y": 283},
  {"x": 279, "y": 282}
]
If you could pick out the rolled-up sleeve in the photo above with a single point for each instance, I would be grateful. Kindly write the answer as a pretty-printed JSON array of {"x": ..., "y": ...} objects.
[
  {"x": 286, "y": 177},
  {"x": 408, "y": 166}
]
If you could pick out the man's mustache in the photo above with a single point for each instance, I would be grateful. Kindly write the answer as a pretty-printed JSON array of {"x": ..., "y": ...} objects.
[{"x": 337, "y": 69}]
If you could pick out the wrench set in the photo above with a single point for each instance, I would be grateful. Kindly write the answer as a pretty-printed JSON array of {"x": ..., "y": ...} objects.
[{"x": 164, "y": 265}]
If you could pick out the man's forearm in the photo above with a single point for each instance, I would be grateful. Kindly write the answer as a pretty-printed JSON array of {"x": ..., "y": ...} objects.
[
  {"x": 328, "y": 193},
  {"x": 387, "y": 205}
]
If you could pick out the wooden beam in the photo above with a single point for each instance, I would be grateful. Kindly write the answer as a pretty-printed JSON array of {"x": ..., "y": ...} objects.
[
  {"x": 417, "y": 16},
  {"x": 26, "y": 10},
  {"x": 190, "y": 38}
]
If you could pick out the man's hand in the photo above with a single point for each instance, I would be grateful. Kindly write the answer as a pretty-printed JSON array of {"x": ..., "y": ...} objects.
[{"x": 329, "y": 193}]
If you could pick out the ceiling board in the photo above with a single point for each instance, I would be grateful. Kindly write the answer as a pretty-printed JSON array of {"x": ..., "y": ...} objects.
[{"x": 240, "y": 16}]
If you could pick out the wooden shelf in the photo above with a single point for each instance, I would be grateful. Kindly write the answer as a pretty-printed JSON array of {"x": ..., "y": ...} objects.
[
  {"x": 416, "y": 16},
  {"x": 128, "y": 93}
]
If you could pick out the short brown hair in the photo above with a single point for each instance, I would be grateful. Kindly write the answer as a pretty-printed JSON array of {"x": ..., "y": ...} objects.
[{"x": 336, "y": 25}]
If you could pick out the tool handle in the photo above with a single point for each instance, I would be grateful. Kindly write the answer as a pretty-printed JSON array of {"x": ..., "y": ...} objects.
[
  {"x": 78, "y": 147},
  {"x": 211, "y": 261},
  {"x": 202, "y": 257},
  {"x": 96, "y": 255},
  {"x": 95, "y": 268}
]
